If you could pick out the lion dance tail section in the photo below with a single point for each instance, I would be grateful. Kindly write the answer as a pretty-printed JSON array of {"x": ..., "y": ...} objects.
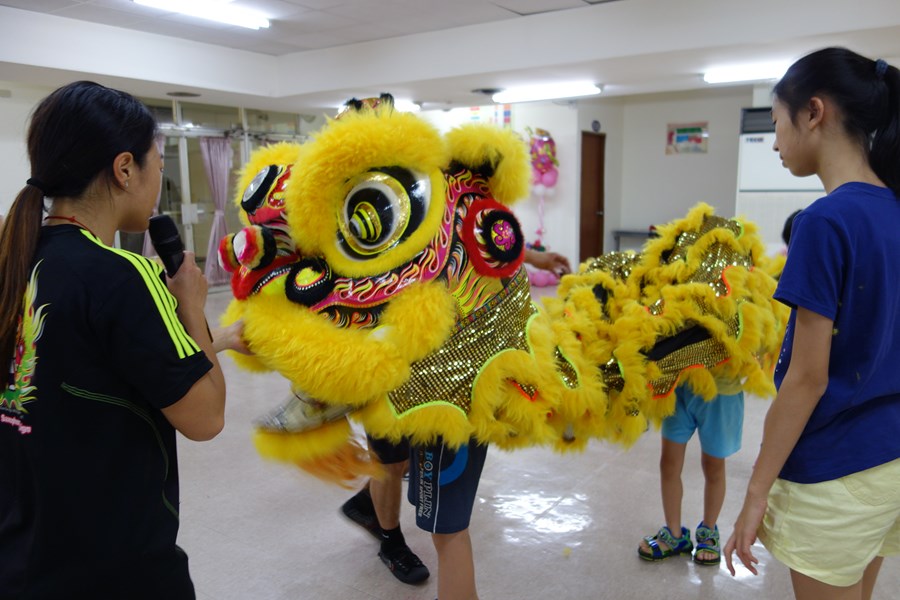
[{"x": 694, "y": 307}]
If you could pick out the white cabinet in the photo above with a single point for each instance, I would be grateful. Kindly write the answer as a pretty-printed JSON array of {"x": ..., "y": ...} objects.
[
  {"x": 767, "y": 193},
  {"x": 760, "y": 168}
]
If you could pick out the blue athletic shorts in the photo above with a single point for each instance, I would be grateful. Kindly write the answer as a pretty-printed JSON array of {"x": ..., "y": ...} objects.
[
  {"x": 443, "y": 484},
  {"x": 719, "y": 422}
]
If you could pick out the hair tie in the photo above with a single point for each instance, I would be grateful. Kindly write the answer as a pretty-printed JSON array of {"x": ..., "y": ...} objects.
[
  {"x": 881, "y": 68},
  {"x": 33, "y": 182}
]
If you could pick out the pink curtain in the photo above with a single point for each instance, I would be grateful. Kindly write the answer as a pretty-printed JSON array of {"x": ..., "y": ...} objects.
[
  {"x": 148, "y": 245},
  {"x": 217, "y": 156}
]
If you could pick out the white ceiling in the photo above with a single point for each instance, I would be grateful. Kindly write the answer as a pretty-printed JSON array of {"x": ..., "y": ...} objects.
[
  {"x": 318, "y": 53},
  {"x": 299, "y": 25}
]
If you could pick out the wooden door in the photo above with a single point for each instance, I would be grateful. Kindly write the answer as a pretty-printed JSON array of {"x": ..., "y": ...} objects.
[{"x": 593, "y": 160}]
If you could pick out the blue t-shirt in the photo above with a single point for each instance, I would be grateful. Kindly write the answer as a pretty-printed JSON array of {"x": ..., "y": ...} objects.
[{"x": 844, "y": 263}]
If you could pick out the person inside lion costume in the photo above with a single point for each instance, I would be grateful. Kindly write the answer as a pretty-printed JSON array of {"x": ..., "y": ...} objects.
[{"x": 380, "y": 272}]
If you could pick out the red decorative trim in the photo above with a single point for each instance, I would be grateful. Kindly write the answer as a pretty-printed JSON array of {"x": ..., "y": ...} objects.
[
  {"x": 244, "y": 280},
  {"x": 474, "y": 242}
]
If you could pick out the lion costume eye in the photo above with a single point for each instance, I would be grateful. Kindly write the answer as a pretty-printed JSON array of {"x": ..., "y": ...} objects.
[
  {"x": 264, "y": 195},
  {"x": 381, "y": 208},
  {"x": 258, "y": 188}
]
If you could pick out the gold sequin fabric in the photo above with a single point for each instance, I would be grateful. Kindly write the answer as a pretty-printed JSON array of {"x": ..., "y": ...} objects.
[
  {"x": 706, "y": 353},
  {"x": 617, "y": 264},
  {"x": 447, "y": 374},
  {"x": 690, "y": 308}
]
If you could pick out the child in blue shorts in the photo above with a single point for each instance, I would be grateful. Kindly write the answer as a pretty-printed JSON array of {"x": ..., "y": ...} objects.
[
  {"x": 442, "y": 486},
  {"x": 719, "y": 424}
]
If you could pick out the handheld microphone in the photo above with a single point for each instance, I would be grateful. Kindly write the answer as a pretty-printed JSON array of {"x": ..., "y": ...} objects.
[
  {"x": 167, "y": 242},
  {"x": 169, "y": 247}
]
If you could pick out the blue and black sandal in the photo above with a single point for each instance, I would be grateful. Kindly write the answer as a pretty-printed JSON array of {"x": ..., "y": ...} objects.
[
  {"x": 675, "y": 545},
  {"x": 708, "y": 541}
]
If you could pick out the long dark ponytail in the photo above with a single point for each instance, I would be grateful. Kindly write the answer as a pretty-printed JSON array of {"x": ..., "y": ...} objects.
[
  {"x": 868, "y": 93},
  {"x": 74, "y": 135}
]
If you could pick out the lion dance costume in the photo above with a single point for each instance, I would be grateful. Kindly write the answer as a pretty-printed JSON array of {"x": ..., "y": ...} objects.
[{"x": 380, "y": 272}]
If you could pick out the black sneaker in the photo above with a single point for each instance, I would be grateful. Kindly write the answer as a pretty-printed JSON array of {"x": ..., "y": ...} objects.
[
  {"x": 361, "y": 511},
  {"x": 405, "y": 565}
]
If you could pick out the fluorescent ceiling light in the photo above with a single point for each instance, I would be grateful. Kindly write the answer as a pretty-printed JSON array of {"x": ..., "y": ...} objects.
[
  {"x": 399, "y": 105},
  {"x": 752, "y": 72},
  {"x": 546, "y": 92},
  {"x": 407, "y": 105},
  {"x": 214, "y": 10}
]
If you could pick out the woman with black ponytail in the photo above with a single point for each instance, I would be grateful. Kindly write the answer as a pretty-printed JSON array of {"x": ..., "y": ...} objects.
[
  {"x": 824, "y": 496},
  {"x": 102, "y": 362}
]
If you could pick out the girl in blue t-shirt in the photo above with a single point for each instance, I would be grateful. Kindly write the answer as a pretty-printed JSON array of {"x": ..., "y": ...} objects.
[{"x": 824, "y": 496}]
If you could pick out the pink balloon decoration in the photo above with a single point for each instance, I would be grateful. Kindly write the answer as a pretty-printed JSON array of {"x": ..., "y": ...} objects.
[
  {"x": 543, "y": 158},
  {"x": 541, "y": 278},
  {"x": 549, "y": 178},
  {"x": 544, "y": 175}
]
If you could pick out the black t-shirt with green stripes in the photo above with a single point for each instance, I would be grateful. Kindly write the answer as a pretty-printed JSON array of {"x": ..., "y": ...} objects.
[{"x": 88, "y": 468}]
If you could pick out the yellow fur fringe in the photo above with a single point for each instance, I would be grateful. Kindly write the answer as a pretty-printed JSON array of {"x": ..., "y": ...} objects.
[
  {"x": 354, "y": 144},
  {"x": 328, "y": 452},
  {"x": 477, "y": 144}
]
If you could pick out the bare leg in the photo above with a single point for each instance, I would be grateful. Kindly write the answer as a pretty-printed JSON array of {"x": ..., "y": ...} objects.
[
  {"x": 456, "y": 567},
  {"x": 869, "y": 577},
  {"x": 387, "y": 493},
  {"x": 396, "y": 555},
  {"x": 713, "y": 494},
  {"x": 807, "y": 588},
  {"x": 671, "y": 463}
]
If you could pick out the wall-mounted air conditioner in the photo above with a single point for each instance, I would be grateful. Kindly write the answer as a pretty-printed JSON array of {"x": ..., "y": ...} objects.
[{"x": 767, "y": 193}]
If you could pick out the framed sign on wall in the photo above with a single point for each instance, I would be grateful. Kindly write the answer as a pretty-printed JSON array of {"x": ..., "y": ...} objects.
[{"x": 687, "y": 138}]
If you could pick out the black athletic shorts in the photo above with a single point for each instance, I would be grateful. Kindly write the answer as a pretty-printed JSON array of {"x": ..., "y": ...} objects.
[{"x": 387, "y": 452}]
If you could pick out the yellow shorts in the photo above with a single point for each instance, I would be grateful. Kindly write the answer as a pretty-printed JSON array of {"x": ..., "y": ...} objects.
[{"x": 830, "y": 531}]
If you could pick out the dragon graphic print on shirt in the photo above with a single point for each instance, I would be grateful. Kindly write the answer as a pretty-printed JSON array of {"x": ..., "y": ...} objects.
[{"x": 19, "y": 390}]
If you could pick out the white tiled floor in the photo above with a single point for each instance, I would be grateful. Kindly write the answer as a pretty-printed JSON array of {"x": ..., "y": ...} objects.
[{"x": 545, "y": 525}]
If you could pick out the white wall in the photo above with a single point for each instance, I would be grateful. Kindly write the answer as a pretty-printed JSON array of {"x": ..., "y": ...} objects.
[
  {"x": 643, "y": 185},
  {"x": 14, "y": 114},
  {"x": 562, "y": 201},
  {"x": 656, "y": 187}
]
